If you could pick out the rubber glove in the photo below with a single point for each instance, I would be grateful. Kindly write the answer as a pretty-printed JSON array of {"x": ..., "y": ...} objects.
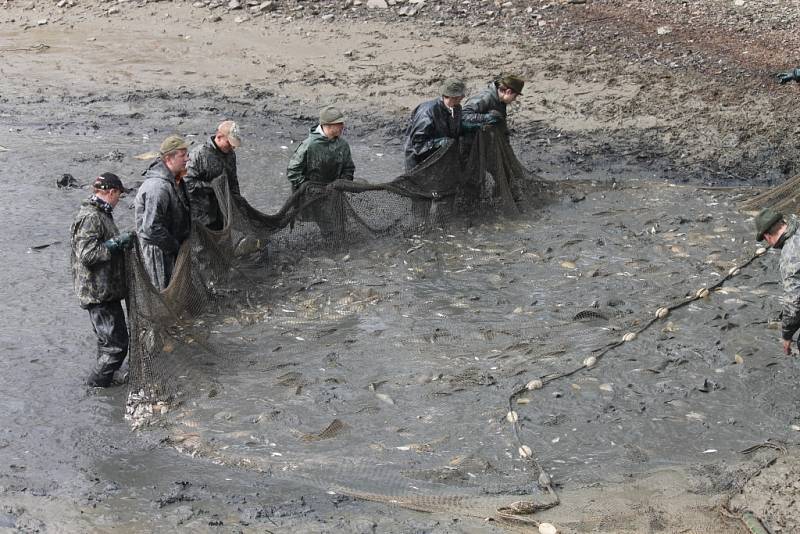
[{"x": 788, "y": 76}]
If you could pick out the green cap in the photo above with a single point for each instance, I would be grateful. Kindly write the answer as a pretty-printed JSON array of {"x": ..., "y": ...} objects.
[
  {"x": 515, "y": 83},
  {"x": 331, "y": 115},
  {"x": 764, "y": 221},
  {"x": 173, "y": 143},
  {"x": 453, "y": 87}
]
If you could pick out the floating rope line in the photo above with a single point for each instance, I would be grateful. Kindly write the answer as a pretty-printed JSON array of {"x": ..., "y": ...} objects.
[{"x": 525, "y": 451}]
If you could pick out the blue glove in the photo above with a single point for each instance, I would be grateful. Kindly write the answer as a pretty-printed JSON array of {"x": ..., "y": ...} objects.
[
  {"x": 495, "y": 117},
  {"x": 469, "y": 126},
  {"x": 439, "y": 142},
  {"x": 119, "y": 243},
  {"x": 126, "y": 239},
  {"x": 788, "y": 76}
]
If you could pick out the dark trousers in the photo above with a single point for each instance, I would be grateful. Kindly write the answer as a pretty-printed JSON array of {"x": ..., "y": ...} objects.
[{"x": 108, "y": 320}]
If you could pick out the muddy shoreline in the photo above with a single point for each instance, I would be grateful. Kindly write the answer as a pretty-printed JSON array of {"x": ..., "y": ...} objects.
[{"x": 68, "y": 461}]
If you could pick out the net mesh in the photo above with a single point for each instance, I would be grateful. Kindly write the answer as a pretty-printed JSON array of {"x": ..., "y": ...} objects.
[
  {"x": 225, "y": 271},
  {"x": 311, "y": 401},
  {"x": 783, "y": 198}
]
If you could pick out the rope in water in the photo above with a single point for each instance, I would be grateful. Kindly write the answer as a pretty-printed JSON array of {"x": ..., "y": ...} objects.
[{"x": 525, "y": 451}]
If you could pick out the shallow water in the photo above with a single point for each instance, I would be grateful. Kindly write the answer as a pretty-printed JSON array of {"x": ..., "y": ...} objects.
[{"x": 415, "y": 351}]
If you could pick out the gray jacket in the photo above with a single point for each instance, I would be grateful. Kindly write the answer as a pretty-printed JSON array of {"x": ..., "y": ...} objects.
[
  {"x": 97, "y": 275},
  {"x": 206, "y": 163},
  {"x": 162, "y": 209},
  {"x": 790, "y": 274}
]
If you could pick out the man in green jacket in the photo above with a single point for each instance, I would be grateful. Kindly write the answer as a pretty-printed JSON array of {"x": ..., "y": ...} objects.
[
  {"x": 98, "y": 273},
  {"x": 322, "y": 158}
]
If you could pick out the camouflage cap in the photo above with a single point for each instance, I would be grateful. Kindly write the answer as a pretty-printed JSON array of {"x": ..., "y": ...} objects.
[
  {"x": 231, "y": 131},
  {"x": 173, "y": 143},
  {"x": 107, "y": 181},
  {"x": 331, "y": 115},
  {"x": 453, "y": 87},
  {"x": 764, "y": 221},
  {"x": 515, "y": 83}
]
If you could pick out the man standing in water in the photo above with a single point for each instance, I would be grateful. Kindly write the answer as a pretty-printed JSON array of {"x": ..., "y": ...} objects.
[
  {"x": 489, "y": 106},
  {"x": 214, "y": 158},
  {"x": 98, "y": 274},
  {"x": 781, "y": 234},
  {"x": 163, "y": 220},
  {"x": 324, "y": 157},
  {"x": 434, "y": 123}
]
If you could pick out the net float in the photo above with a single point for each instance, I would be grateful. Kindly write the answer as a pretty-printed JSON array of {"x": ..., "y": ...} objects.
[
  {"x": 534, "y": 384},
  {"x": 630, "y": 336}
]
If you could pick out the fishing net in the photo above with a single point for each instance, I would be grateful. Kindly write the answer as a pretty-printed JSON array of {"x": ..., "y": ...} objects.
[
  {"x": 783, "y": 198},
  {"x": 226, "y": 270},
  {"x": 375, "y": 340}
]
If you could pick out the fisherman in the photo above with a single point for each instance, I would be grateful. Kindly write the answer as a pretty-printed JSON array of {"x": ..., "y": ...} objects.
[
  {"x": 98, "y": 273},
  {"x": 434, "y": 123},
  {"x": 788, "y": 76},
  {"x": 490, "y": 105},
  {"x": 781, "y": 234},
  {"x": 322, "y": 158},
  {"x": 163, "y": 220},
  {"x": 213, "y": 159}
]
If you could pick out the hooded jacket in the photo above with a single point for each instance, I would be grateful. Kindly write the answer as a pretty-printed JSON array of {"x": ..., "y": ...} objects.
[
  {"x": 97, "y": 275},
  {"x": 320, "y": 159},
  {"x": 430, "y": 121},
  {"x": 162, "y": 209}
]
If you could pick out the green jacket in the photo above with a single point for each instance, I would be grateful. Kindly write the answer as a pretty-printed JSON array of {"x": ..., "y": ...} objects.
[
  {"x": 319, "y": 159},
  {"x": 97, "y": 275}
]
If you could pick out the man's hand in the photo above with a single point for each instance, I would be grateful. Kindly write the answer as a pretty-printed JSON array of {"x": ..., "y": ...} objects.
[
  {"x": 495, "y": 117},
  {"x": 787, "y": 347},
  {"x": 126, "y": 240},
  {"x": 119, "y": 243},
  {"x": 467, "y": 126},
  {"x": 439, "y": 142},
  {"x": 788, "y": 76}
]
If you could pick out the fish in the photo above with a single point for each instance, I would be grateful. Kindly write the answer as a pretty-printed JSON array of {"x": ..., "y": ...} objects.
[{"x": 147, "y": 155}]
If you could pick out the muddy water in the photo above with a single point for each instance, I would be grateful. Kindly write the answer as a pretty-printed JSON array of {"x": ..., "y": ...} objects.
[
  {"x": 459, "y": 319},
  {"x": 413, "y": 351}
]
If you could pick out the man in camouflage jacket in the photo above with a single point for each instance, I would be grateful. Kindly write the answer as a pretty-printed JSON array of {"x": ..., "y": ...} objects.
[
  {"x": 98, "y": 274},
  {"x": 163, "y": 220},
  {"x": 781, "y": 234},
  {"x": 214, "y": 158}
]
